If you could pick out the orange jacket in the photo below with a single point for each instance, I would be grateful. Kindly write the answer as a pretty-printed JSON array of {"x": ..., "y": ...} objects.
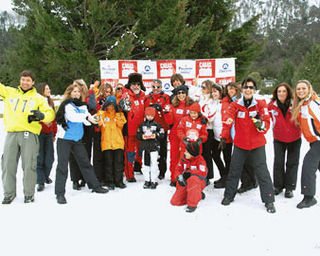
[
  {"x": 309, "y": 119},
  {"x": 111, "y": 124}
]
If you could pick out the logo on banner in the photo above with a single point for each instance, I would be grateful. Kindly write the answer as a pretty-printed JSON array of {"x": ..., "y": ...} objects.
[
  {"x": 166, "y": 86},
  {"x": 225, "y": 68},
  {"x": 147, "y": 68},
  {"x": 185, "y": 69},
  {"x": 166, "y": 69},
  {"x": 205, "y": 69},
  {"x": 109, "y": 69}
]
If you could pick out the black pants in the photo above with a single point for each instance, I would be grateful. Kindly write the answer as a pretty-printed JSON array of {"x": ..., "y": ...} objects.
[
  {"x": 114, "y": 166},
  {"x": 207, "y": 153},
  {"x": 257, "y": 158},
  {"x": 98, "y": 158},
  {"x": 311, "y": 163},
  {"x": 162, "y": 161},
  {"x": 286, "y": 177},
  {"x": 248, "y": 177},
  {"x": 216, "y": 153},
  {"x": 87, "y": 139},
  {"x": 64, "y": 149}
]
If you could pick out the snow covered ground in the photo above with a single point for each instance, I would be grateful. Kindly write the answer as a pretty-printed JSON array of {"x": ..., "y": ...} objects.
[{"x": 142, "y": 222}]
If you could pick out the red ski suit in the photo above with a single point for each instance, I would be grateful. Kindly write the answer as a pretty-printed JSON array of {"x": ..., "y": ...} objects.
[
  {"x": 187, "y": 123},
  {"x": 134, "y": 118},
  {"x": 247, "y": 136},
  {"x": 191, "y": 193},
  {"x": 173, "y": 118}
]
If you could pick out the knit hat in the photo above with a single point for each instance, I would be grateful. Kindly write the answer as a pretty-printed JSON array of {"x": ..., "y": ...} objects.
[
  {"x": 195, "y": 107},
  {"x": 193, "y": 148},
  {"x": 109, "y": 100},
  {"x": 150, "y": 111},
  {"x": 183, "y": 88},
  {"x": 134, "y": 78}
]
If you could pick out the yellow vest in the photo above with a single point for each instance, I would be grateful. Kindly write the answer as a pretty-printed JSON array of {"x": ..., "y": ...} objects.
[{"x": 17, "y": 107}]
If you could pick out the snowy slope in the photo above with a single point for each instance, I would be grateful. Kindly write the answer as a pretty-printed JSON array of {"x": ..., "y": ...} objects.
[{"x": 142, "y": 222}]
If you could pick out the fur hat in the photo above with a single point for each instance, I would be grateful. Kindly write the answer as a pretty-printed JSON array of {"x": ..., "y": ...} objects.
[
  {"x": 150, "y": 111},
  {"x": 135, "y": 78}
]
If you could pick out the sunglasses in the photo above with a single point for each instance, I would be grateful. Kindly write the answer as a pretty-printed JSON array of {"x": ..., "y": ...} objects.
[
  {"x": 248, "y": 87},
  {"x": 156, "y": 87},
  {"x": 119, "y": 88},
  {"x": 181, "y": 92},
  {"x": 203, "y": 87}
]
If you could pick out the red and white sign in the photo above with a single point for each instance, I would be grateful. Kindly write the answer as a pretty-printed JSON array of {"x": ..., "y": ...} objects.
[
  {"x": 166, "y": 68},
  {"x": 194, "y": 72},
  {"x": 205, "y": 68},
  {"x": 127, "y": 67}
]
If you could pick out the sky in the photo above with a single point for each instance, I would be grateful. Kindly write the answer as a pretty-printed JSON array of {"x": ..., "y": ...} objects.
[{"x": 5, "y": 5}]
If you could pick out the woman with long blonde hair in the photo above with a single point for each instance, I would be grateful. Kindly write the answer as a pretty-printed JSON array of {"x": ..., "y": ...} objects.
[{"x": 306, "y": 113}]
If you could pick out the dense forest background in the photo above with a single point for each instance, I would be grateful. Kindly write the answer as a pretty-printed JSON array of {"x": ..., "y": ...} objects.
[{"x": 61, "y": 40}]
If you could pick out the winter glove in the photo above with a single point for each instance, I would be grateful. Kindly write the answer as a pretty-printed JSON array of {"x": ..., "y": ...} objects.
[
  {"x": 101, "y": 101},
  {"x": 181, "y": 180},
  {"x": 257, "y": 123},
  {"x": 186, "y": 175},
  {"x": 157, "y": 106},
  {"x": 166, "y": 108},
  {"x": 36, "y": 116},
  {"x": 125, "y": 104},
  {"x": 204, "y": 120},
  {"x": 222, "y": 144}
]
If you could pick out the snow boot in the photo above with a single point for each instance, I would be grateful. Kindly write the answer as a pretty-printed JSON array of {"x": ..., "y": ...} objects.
[
  {"x": 307, "y": 202},
  {"x": 270, "y": 207},
  {"x": 190, "y": 209},
  {"x": 147, "y": 184}
]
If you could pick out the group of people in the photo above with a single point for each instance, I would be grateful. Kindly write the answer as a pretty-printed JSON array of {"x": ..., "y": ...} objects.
[{"x": 127, "y": 130}]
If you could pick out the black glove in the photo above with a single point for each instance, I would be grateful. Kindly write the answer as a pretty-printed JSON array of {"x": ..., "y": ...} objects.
[
  {"x": 36, "y": 116},
  {"x": 101, "y": 101},
  {"x": 204, "y": 120},
  {"x": 257, "y": 123},
  {"x": 181, "y": 180},
  {"x": 222, "y": 144},
  {"x": 157, "y": 106},
  {"x": 186, "y": 175}
]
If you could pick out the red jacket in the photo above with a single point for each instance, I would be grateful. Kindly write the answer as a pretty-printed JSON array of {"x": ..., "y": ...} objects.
[
  {"x": 195, "y": 165},
  {"x": 284, "y": 129},
  {"x": 188, "y": 123},
  {"x": 247, "y": 136},
  {"x": 175, "y": 114},
  {"x": 162, "y": 99},
  {"x": 136, "y": 114}
]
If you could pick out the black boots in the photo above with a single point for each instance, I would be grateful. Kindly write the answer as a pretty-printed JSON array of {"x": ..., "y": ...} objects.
[
  {"x": 270, "y": 207},
  {"x": 288, "y": 193},
  {"x": 61, "y": 199},
  {"x": 226, "y": 201},
  {"x": 76, "y": 185},
  {"x": 131, "y": 180},
  {"x": 245, "y": 188},
  {"x": 28, "y": 199},
  {"x": 8, "y": 199},
  {"x": 221, "y": 183},
  {"x": 190, "y": 209},
  {"x": 277, "y": 191},
  {"x": 120, "y": 185},
  {"x": 100, "y": 190},
  {"x": 307, "y": 202},
  {"x": 147, "y": 184},
  {"x": 40, "y": 187}
]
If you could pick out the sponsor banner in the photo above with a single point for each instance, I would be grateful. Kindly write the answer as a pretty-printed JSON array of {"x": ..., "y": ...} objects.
[
  {"x": 186, "y": 68},
  {"x": 126, "y": 67},
  {"x": 113, "y": 82},
  {"x": 147, "y": 84},
  {"x": 225, "y": 68},
  {"x": 166, "y": 86},
  {"x": 148, "y": 69},
  {"x": 166, "y": 68},
  {"x": 109, "y": 69},
  {"x": 205, "y": 68},
  {"x": 225, "y": 80}
]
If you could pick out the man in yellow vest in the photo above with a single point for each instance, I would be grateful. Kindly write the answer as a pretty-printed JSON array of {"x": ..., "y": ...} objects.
[{"x": 23, "y": 109}]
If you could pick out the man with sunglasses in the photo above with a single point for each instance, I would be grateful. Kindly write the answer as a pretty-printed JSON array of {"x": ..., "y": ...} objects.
[
  {"x": 251, "y": 120},
  {"x": 158, "y": 99}
]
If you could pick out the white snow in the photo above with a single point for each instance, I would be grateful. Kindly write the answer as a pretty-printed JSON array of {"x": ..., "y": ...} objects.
[{"x": 135, "y": 221}]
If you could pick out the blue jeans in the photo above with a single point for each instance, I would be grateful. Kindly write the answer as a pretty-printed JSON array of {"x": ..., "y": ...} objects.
[{"x": 45, "y": 157}]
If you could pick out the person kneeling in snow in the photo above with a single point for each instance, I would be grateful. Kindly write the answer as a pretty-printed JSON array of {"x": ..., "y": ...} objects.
[{"x": 191, "y": 180}]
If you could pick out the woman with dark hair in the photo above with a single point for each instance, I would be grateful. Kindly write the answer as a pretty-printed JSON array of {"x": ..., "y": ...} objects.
[
  {"x": 172, "y": 114},
  {"x": 287, "y": 140},
  {"x": 306, "y": 113},
  {"x": 46, "y": 138},
  {"x": 251, "y": 121}
]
